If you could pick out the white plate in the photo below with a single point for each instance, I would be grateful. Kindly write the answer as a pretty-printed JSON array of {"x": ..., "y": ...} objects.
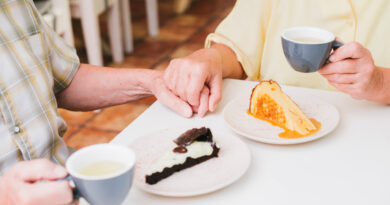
[
  {"x": 235, "y": 114},
  {"x": 232, "y": 162}
]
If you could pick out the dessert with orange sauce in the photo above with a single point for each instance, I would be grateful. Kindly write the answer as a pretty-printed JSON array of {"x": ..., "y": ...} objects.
[{"x": 269, "y": 103}]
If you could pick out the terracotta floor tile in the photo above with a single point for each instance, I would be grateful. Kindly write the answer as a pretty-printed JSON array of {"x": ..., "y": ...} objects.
[
  {"x": 186, "y": 50},
  {"x": 199, "y": 37},
  {"x": 87, "y": 137},
  {"x": 212, "y": 26},
  {"x": 162, "y": 65},
  {"x": 138, "y": 9},
  {"x": 75, "y": 118},
  {"x": 146, "y": 101},
  {"x": 186, "y": 20},
  {"x": 205, "y": 8},
  {"x": 153, "y": 49},
  {"x": 135, "y": 62},
  {"x": 200, "y": 8},
  {"x": 140, "y": 29},
  {"x": 72, "y": 129},
  {"x": 175, "y": 34},
  {"x": 118, "y": 117}
]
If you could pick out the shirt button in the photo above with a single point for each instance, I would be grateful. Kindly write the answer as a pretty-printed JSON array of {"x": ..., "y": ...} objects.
[{"x": 16, "y": 129}]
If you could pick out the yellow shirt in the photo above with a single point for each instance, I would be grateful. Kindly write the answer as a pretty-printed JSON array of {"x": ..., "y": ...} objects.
[{"x": 252, "y": 30}]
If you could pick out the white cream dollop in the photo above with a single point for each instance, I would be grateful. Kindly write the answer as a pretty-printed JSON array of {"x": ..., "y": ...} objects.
[{"x": 194, "y": 150}]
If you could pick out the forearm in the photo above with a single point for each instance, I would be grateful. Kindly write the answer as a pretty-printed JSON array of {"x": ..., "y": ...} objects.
[
  {"x": 95, "y": 87},
  {"x": 231, "y": 67}
]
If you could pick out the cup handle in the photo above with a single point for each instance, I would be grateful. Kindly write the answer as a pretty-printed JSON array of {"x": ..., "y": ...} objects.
[
  {"x": 336, "y": 45},
  {"x": 76, "y": 193}
]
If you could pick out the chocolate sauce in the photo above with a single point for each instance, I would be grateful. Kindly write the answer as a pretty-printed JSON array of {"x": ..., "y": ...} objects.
[
  {"x": 202, "y": 134},
  {"x": 180, "y": 149}
]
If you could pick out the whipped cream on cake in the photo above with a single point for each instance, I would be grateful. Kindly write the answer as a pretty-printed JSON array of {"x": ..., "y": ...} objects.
[{"x": 192, "y": 147}]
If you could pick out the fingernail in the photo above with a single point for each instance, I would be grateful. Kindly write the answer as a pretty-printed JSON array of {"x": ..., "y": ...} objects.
[
  {"x": 187, "y": 113},
  {"x": 213, "y": 107},
  {"x": 331, "y": 58}
]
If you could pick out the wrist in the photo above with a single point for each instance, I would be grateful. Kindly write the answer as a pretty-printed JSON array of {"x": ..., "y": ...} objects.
[
  {"x": 146, "y": 78},
  {"x": 381, "y": 91},
  {"x": 133, "y": 84},
  {"x": 230, "y": 66}
]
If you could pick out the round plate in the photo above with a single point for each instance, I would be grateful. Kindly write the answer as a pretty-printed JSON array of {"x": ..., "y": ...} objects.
[
  {"x": 235, "y": 114},
  {"x": 232, "y": 162}
]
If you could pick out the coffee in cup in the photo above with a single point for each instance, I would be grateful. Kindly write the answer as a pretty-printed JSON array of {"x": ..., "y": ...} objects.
[{"x": 307, "y": 49}]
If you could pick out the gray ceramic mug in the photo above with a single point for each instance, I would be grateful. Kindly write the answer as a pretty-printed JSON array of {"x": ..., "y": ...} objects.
[
  {"x": 307, "y": 49},
  {"x": 106, "y": 189}
]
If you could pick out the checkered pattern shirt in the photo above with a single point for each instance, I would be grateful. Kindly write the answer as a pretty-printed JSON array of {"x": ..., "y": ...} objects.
[{"x": 35, "y": 64}]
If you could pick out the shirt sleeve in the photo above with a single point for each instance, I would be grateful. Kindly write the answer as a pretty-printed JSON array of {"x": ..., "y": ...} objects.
[
  {"x": 63, "y": 59},
  {"x": 244, "y": 31}
]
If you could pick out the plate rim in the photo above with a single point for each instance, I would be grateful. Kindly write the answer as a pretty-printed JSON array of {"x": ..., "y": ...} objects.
[
  {"x": 232, "y": 180},
  {"x": 282, "y": 141}
]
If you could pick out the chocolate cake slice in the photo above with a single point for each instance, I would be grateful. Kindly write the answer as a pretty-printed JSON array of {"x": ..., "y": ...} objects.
[{"x": 193, "y": 147}]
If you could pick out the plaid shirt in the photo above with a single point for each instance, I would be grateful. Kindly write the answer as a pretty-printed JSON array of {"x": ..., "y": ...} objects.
[{"x": 35, "y": 64}]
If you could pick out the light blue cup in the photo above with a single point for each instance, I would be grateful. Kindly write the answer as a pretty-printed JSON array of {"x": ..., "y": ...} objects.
[
  {"x": 308, "y": 57},
  {"x": 107, "y": 189}
]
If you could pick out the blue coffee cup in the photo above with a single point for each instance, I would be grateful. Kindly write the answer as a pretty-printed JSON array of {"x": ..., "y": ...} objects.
[
  {"x": 307, "y": 49},
  {"x": 111, "y": 188}
]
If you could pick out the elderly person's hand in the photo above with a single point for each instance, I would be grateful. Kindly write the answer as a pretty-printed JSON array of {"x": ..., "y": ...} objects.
[
  {"x": 165, "y": 95},
  {"x": 192, "y": 77},
  {"x": 188, "y": 76},
  {"x": 352, "y": 71},
  {"x": 23, "y": 184}
]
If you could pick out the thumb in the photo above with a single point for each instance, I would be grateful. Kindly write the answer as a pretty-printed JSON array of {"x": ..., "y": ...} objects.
[
  {"x": 166, "y": 97},
  {"x": 40, "y": 169},
  {"x": 215, "y": 92}
]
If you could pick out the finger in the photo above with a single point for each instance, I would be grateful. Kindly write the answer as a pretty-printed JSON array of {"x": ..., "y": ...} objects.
[
  {"x": 349, "y": 50},
  {"x": 49, "y": 193},
  {"x": 341, "y": 67},
  {"x": 166, "y": 97},
  {"x": 338, "y": 40},
  {"x": 194, "y": 108},
  {"x": 345, "y": 88},
  {"x": 341, "y": 78},
  {"x": 40, "y": 169},
  {"x": 215, "y": 92},
  {"x": 170, "y": 75},
  {"x": 195, "y": 88},
  {"x": 181, "y": 87},
  {"x": 204, "y": 102}
]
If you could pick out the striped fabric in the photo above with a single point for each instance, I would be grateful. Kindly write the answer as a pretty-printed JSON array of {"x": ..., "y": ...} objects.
[{"x": 35, "y": 64}]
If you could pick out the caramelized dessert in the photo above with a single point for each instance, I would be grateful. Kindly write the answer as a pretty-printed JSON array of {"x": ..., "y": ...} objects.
[{"x": 269, "y": 103}]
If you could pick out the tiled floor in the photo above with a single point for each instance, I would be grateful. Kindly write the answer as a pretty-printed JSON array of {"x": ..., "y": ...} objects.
[{"x": 179, "y": 36}]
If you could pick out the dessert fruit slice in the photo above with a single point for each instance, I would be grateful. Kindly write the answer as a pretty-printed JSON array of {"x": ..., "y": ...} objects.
[
  {"x": 193, "y": 147},
  {"x": 268, "y": 102}
]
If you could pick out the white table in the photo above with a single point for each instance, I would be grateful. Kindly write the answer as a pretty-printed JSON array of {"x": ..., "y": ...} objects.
[{"x": 349, "y": 166}]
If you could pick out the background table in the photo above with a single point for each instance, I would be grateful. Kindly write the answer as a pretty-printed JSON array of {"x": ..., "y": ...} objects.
[{"x": 349, "y": 166}]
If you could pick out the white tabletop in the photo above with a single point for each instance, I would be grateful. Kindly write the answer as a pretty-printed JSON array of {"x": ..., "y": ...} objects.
[{"x": 349, "y": 166}]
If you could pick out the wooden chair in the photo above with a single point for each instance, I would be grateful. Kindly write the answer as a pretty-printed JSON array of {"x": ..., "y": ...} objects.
[{"x": 88, "y": 11}]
